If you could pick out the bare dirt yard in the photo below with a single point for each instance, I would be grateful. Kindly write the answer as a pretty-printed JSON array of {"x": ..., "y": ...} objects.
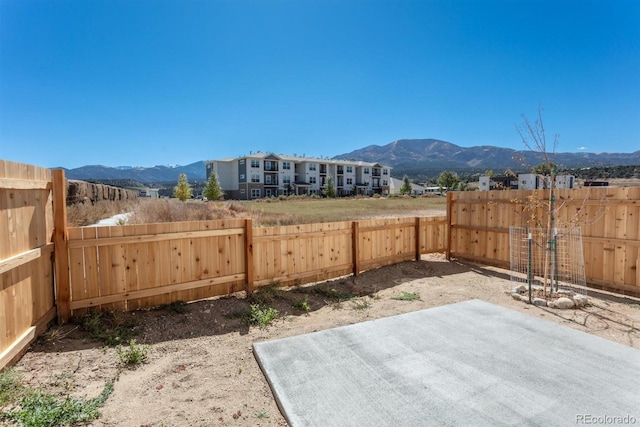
[{"x": 201, "y": 370}]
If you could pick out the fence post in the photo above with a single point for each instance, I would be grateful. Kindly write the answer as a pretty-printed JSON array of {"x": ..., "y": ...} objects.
[
  {"x": 449, "y": 221},
  {"x": 61, "y": 254},
  {"x": 355, "y": 247},
  {"x": 418, "y": 253},
  {"x": 248, "y": 255}
]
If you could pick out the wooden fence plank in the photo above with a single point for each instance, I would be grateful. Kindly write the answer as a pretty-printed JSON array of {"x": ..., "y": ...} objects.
[
  {"x": 63, "y": 287},
  {"x": 610, "y": 219}
]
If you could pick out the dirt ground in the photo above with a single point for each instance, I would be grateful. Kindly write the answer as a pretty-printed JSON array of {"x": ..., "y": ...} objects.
[{"x": 201, "y": 370}]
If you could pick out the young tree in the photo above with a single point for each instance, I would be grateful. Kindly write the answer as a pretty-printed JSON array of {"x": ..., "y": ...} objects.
[
  {"x": 183, "y": 190},
  {"x": 329, "y": 189},
  {"x": 212, "y": 189},
  {"x": 406, "y": 186},
  {"x": 448, "y": 180}
]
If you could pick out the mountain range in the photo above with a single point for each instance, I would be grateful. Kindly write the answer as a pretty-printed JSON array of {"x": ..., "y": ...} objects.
[{"x": 415, "y": 157}]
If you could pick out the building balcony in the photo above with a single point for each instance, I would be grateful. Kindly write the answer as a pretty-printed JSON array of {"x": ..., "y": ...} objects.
[{"x": 271, "y": 167}]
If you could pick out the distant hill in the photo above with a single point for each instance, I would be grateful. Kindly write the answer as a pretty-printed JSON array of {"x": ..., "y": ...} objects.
[
  {"x": 418, "y": 158},
  {"x": 412, "y": 154},
  {"x": 194, "y": 171}
]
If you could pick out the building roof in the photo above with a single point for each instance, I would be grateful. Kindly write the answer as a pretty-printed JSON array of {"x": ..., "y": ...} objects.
[{"x": 297, "y": 159}]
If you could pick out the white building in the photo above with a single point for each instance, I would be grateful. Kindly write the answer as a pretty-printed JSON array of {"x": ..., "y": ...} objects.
[
  {"x": 269, "y": 175},
  {"x": 526, "y": 181},
  {"x": 396, "y": 184}
]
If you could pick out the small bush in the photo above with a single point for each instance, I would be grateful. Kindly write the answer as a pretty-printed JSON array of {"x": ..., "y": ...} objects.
[
  {"x": 110, "y": 328},
  {"x": 302, "y": 304},
  {"x": 262, "y": 316},
  {"x": 134, "y": 355}
]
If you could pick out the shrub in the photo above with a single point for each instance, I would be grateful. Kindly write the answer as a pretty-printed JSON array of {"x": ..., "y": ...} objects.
[
  {"x": 133, "y": 355},
  {"x": 262, "y": 316}
]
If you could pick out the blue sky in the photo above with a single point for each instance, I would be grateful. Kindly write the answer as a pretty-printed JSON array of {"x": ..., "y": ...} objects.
[{"x": 145, "y": 82}]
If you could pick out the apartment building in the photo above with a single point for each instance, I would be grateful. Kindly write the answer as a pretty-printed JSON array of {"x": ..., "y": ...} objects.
[
  {"x": 270, "y": 175},
  {"x": 525, "y": 181}
]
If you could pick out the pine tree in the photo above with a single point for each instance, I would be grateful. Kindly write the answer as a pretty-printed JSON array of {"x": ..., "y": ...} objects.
[
  {"x": 329, "y": 189},
  {"x": 183, "y": 190},
  {"x": 448, "y": 180},
  {"x": 406, "y": 186},
  {"x": 212, "y": 189}
]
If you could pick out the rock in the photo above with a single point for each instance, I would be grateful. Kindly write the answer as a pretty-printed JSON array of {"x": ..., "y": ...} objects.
[
  {"x": 520, "y": 289},
  {"x": 516, "y": 296},
  {"x": 564, "y": 303},
  {"x": 540, "y": 302},
  {"x": 524, "y": 298},
  {"x": 551, "y": 304},
  {"x": 580, "y": 300}
]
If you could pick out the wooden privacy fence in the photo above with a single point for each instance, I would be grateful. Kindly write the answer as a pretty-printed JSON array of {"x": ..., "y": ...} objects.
[
  {"x": 26, "y": 248},
  {"x": 609, "y": 217},
  {"x": 139, "y": 266}
]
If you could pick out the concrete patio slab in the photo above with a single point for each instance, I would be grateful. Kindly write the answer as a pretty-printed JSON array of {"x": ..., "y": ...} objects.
[{"x": 470, "y": 363}]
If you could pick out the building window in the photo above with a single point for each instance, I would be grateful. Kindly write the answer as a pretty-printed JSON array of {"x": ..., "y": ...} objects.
[
  {"x": 286, "y": 180},
  {"x": 385, "y": 171},
  {"x": 242, "y": 161},
  {"x": 349, "y": 181},
  {"x": 312, "y": 166},
  {"x": 366, "y": 171},
  {"x": 312, "y": 179},
  {"x": 255, "y": 193},
  {"x": 385, "y": 182},
  {"x": 286, "y": 165},
  {"x": 255, "y": 163},
  {"x": 242, "y": 191},
  {"x": 255, "y": 177},
  {"x": 349, "y": 169}
]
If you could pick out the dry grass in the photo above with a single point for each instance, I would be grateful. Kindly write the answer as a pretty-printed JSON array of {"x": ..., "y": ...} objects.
[
  {"x": 172, "y": 210},
  {"x": 81, "y": 214},
  {"x": 264, "y": 212}
]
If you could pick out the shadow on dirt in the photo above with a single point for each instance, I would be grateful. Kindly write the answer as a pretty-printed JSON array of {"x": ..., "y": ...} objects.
[{"x": 237, "y": 314}]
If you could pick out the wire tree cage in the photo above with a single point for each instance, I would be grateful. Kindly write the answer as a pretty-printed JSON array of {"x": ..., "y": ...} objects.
[{"x": 553, "y": 259}]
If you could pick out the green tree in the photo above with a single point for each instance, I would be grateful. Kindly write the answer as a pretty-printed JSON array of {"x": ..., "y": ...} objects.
[
  {"x": 183, "y": 190},
  {"x": 544, "y": 169},
  {"x": 212, "y": 189},
  {"x": 448, "y": 180},
  {"x": 329, "y": 189},
  {"x": 406, "y": 186}
]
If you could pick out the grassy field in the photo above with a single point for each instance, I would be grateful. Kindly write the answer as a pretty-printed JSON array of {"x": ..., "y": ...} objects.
[
  {"x": 309, "y": 210},
  {"x": 264, "y": 212}
]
